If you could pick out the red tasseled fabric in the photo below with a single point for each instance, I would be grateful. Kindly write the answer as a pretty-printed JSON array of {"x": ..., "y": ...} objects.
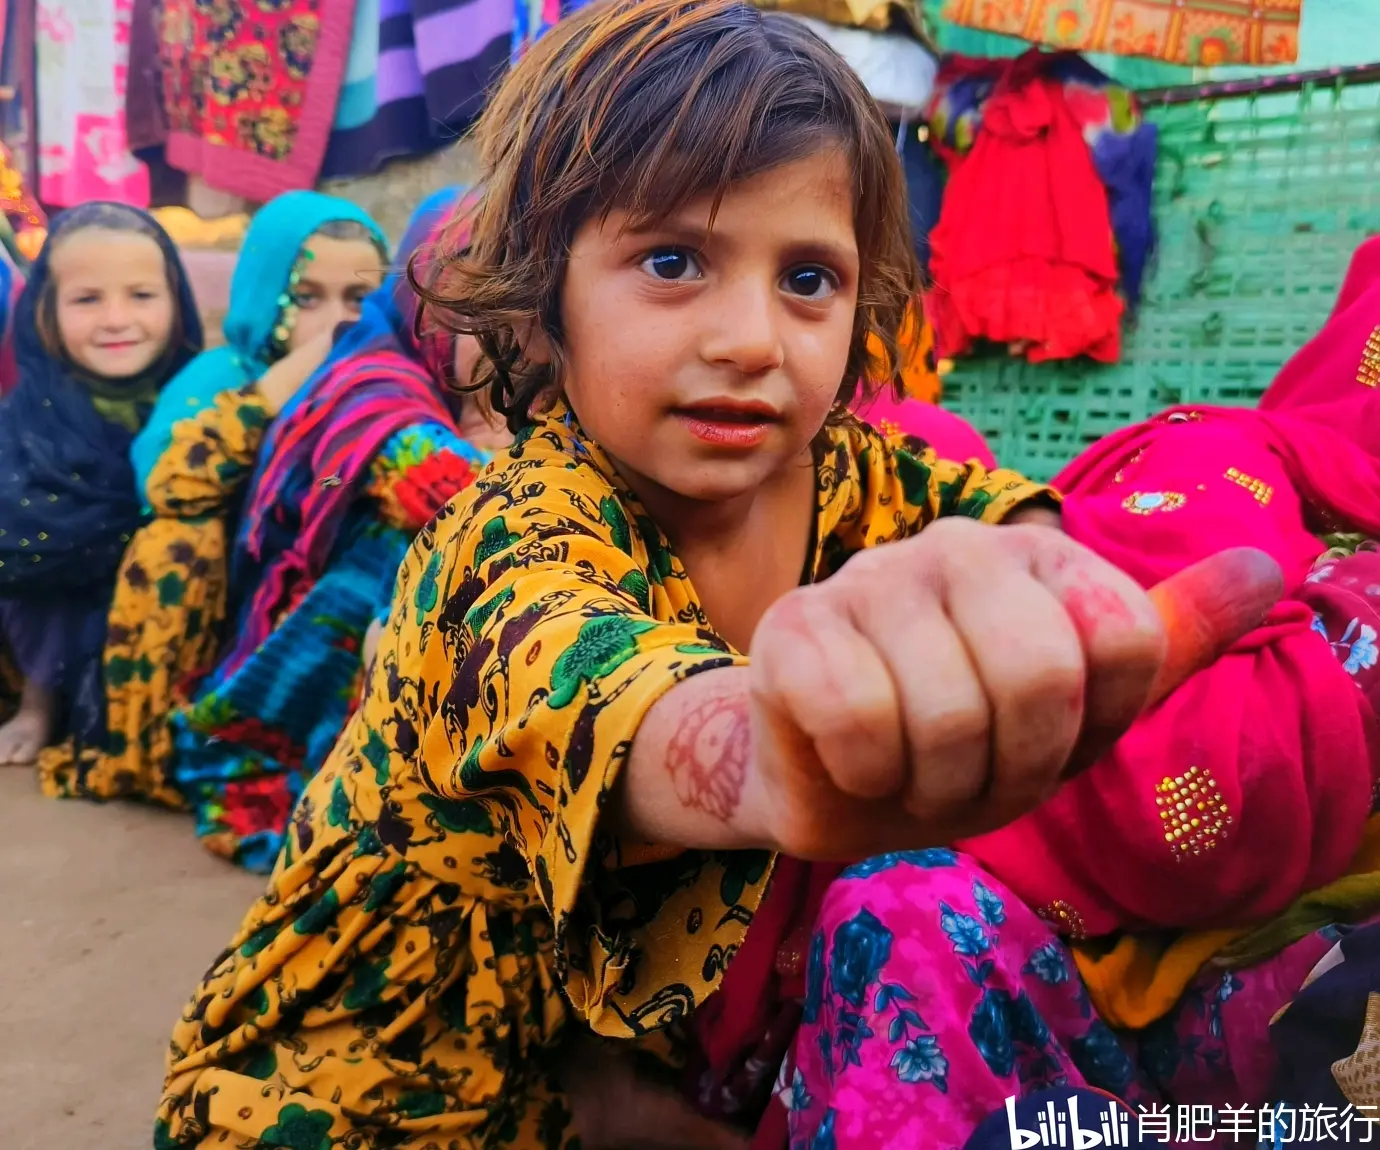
[{"x": 1023, "y": 252}]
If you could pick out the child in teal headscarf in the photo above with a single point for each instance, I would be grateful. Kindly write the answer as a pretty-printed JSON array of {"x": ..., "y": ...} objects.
[{"x": 307, "y": 263}]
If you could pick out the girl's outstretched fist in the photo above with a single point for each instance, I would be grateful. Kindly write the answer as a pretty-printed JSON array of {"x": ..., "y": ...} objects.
[{"x": 942, "y": 686}]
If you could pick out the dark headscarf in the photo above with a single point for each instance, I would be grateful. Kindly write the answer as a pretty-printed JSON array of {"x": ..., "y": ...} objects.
[{"x": 68, "y": 503}]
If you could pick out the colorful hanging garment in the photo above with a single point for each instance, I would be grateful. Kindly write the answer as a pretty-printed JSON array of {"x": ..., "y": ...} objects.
[
  {"x": 1023, "y": 255},
  {"x": 1198, "y": 33},
  {"x": 532, "y": 19},
  {"x": 251, "y": 87},
  {"x": 82, "y": 53},
  {"x": 422, "y": 81},
  {"x": 1123, "y": 144}
]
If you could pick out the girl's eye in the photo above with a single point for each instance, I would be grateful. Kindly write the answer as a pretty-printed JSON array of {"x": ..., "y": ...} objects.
[
  {"x": 672, "y": 264},
  {"x": 306, "y": 300},
  {"x": 810, "y": 283}
]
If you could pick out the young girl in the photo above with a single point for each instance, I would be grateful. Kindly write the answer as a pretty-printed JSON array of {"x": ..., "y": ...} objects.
[
  {"x": 559, "y": 804},
  {"x": 105, "y": 320},
  {"x": 307, "y": 262},
  {"x": 352, "y": 467}
]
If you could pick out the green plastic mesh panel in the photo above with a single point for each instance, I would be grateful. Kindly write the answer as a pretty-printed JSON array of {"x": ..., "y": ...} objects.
[{"x": 1259, "y": 202}]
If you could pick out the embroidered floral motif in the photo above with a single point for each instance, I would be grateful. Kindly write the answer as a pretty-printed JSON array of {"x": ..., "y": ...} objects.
[
  {"x": 1148, "y": 502},
  {"x": 1194, "y": 814},
  {"x": 1257, "y": 487},
  {"x": 1356, "y": 648}
]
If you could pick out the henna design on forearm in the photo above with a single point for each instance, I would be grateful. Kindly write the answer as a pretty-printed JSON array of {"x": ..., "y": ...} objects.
[{"x": 708, "y": 754}]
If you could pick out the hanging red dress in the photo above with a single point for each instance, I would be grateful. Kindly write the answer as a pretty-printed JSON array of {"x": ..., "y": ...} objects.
[{"x": 1023, "y": 254}]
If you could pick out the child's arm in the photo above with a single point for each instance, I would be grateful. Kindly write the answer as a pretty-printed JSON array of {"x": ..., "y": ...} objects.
[
  {"x": 281, "y": 381},
  {"x": 209, "y": 456},
  {"x": 906, "y": 703}
]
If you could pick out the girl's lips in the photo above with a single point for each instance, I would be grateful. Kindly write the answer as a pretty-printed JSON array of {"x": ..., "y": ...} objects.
[{"x": 737, "y": 427}]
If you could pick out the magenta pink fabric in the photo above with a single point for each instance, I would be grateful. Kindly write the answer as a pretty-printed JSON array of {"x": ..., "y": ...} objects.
[
  {"x": 1345, "y": 597},
  {"x": 1251, "y": 784},
  {"x": 951, "y": 436}
]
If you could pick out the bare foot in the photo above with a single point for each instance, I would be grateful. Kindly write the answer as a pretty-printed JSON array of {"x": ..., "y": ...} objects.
[{"x": 28, "y": 732}]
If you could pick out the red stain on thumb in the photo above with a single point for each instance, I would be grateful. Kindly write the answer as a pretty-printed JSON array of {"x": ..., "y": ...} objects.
[{"x": 1208, "y": 607}]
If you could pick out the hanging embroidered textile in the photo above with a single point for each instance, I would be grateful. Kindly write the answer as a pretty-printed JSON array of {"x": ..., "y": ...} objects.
[
  {"x": 1197, "y": 33},
  {"x": 250, "y": 88},
  {"x": 82, "y": 53},
  {"x": 1023, "y": 255}
]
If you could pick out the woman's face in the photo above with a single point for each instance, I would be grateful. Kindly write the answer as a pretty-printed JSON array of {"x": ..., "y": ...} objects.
[{"x": 333, "y": 286}]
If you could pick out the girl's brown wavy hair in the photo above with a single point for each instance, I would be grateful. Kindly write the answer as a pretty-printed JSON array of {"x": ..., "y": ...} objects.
[{"x": 646, "y": 105}]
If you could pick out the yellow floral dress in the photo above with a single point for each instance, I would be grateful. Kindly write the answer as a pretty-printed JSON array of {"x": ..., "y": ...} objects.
[
  {"x": 167, "y": 618},
  {"x": 446, "y": 897}
]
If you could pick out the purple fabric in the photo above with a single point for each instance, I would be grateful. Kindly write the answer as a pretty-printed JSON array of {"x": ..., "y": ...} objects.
[
  {"x": 452, "y": 35},
  {"x": 437, "y": 60},
  {"x": 146, "y": 120},
  {"x": 398, "y": 76},
  {"x": 58, "y": 642}
]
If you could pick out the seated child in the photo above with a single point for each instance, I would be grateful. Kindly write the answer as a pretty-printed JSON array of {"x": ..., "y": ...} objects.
[
  {"x": 305, "y": 266},
  {"x": 351, "y": 467},
  {"x": 558, "y": 807},
  {"x": 105, "y": 320},
  {"x": 306, "y": 263}
]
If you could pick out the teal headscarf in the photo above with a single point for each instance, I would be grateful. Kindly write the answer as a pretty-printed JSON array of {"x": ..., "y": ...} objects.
[{"x": 258, "y": 291}]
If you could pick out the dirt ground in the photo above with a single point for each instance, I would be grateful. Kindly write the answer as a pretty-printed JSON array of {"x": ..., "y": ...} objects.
[{"x": 108, "y": 916}]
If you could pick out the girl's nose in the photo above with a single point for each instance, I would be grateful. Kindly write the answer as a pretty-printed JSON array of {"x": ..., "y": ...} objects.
[
  {"x": 747, "y": 335},
  {"x": 116, "y": 316}
]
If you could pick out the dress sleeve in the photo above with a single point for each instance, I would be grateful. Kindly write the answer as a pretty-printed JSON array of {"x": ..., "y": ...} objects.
[
  {"x": 544, "y": 629},
  {"x": 418, "y": 471},
  {"x": 877, "y": 489},
  {"x": 211, "y": 455}
]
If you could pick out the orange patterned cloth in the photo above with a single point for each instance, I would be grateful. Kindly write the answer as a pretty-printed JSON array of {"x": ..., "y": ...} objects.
[{"x": 1200, "y": 33}]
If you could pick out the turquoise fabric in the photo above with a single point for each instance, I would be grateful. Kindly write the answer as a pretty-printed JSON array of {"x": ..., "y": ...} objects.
[{"x": 267, "y": 258}]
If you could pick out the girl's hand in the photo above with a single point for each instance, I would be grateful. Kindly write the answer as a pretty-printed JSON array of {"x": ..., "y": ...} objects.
[
  {"x": 281, "y": 381},
  {"x": 939, "y": 687}
]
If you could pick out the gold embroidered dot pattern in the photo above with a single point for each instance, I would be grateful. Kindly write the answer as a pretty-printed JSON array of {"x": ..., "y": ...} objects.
[
  {"x": 1194, "y": 816},
  {"x": 1257, "y": 487},
  {"x": 1064, "y": 918},
  {"x": 1369, "y": 371}
]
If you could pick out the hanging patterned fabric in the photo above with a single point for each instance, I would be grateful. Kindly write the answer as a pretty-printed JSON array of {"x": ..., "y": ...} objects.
[
  {"x": 82, "y": 53},
  {"x": 1123, "y": 143},
  {"x": 250, "y": 87},
  {"x": 420, "y": 82},
  {"x": 1023, "y": 255},
  {"x": 1198, "y": 33}
]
